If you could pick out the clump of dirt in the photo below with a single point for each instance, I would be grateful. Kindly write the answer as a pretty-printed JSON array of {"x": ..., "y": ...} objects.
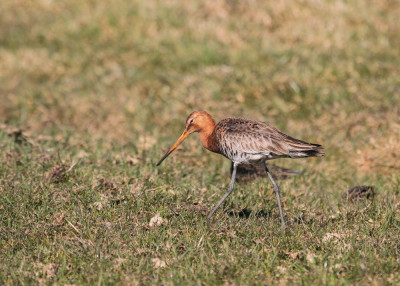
[
  {"x": 16, "y": 133},
  {"x": 359, "y": 192},
  {"x": 103, "y": 184},
  {"x": 58, "y": 173}
]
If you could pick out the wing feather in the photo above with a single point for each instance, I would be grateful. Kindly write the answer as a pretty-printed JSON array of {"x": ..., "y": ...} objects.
[{"x": 255, "y": 137}]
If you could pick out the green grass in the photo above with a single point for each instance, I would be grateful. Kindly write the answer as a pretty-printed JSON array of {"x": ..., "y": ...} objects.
[{"x": 93, "y": 93}]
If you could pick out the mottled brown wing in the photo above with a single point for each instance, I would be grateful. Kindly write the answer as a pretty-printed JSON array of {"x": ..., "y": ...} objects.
[{"x": 255, "y": 137}]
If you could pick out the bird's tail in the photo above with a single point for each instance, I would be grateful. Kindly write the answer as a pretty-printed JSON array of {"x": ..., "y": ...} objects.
[{"x": 309, "y": 150}]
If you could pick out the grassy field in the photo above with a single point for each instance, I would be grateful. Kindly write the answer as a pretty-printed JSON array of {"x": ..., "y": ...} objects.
[{"x": 92, "y": 93}]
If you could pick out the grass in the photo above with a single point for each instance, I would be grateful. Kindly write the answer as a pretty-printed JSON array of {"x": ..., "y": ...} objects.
[{"x": 93, "y": 93}]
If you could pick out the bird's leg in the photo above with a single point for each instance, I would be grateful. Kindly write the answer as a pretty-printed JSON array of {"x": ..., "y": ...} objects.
[
  {"x": 276, "y": 190},
  {"x": 230, "y": 189}
]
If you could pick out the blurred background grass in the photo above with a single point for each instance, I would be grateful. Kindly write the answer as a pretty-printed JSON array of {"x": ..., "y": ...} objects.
[
  {"x": 123, "y": 70},
  {"x": 106, "y": 83}
]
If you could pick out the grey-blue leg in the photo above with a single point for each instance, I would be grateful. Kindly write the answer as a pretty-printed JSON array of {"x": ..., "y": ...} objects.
[
  {"x": 230, "y": 189},
  {"x": 276, "y": 190}
]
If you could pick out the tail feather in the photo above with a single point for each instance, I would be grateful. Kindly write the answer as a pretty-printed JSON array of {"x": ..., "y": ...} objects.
[
  {"x": 297, "y": 148},
  {"x": 314, "y": 152}
]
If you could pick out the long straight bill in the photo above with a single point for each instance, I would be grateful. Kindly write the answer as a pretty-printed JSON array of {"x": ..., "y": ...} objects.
[{"x": 179, "y": 141}]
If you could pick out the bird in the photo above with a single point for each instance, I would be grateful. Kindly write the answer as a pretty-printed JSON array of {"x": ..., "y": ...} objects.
[{"x": 245, "y": 141}]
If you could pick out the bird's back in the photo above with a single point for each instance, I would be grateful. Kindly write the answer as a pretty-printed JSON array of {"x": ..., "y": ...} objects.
[{"x": 245, "y": 140}]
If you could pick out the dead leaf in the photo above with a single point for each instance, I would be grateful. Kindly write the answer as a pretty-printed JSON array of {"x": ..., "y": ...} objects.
[
  {"x": 157, "y": 220},
  {"x": 294, "y": 255},
  {"x": 158, "y": 263},
  {"x": 118, "y": 262},
  {"x": 58, "y": 219},
  {"x": 98, "y": 206},
  {"x": 330, "y": 235},
  {"x": 136, "y": 186},
  {"x": 259, "y": 240},
  {"x": 50, "y": 270},
  {"x": 132, "y": 160},
  {"x": 310, "y": 257},
  {"x": 281, "y": 269}
]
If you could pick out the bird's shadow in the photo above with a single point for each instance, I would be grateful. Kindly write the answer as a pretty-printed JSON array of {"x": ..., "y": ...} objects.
[{"x": 245, "y": 213}]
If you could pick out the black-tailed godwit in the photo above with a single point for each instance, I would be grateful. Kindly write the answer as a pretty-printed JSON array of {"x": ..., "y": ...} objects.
[{"x": 245, "y": 141}]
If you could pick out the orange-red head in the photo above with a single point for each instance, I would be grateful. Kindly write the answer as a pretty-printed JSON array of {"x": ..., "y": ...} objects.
[{"x": 197, "y": 121}]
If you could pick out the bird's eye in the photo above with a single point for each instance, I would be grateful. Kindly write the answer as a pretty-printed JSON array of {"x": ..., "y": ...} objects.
[{"x": 191, "y": 121}]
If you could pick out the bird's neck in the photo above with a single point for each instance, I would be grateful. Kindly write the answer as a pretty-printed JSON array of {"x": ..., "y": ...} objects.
[{"x": 207, "y": 138}]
